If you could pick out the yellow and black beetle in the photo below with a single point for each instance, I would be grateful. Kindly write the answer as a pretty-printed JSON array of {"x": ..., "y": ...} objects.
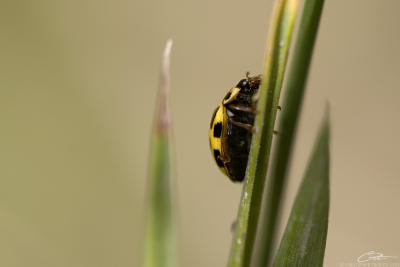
[{"x": 231, "y": 128}]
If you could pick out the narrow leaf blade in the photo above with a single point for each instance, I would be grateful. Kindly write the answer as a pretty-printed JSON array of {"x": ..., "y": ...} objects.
[
  {"x": 291, "y": 107},
  {"x": 304, "y": 239},
  {"x": 160, "y": 235}
]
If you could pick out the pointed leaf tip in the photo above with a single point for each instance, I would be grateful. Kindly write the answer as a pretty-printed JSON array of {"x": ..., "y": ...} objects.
[
  {"x": 160, "y": 248},
  {"x": 163, "y": 119},
  {"x": 304, "y": 240}
]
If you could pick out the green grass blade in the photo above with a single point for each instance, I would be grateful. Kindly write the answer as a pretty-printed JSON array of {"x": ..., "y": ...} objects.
[
  {"x": 292, "y": 101},
  {"x": 280, "y": 33},
  {"x": 304, "y": 239},
  {"x": 160, "y": 235}
]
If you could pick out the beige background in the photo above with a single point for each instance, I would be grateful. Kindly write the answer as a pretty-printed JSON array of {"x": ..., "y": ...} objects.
[{"x": 78, "y": 82}]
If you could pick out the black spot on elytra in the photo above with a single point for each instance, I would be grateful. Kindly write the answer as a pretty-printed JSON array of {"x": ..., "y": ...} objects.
[
  {"x": 228, "y": 95},
  {"x": 218, "y": 129},
  {"x": 213, "y": 117},
  {"x": 217, "y": 159}
]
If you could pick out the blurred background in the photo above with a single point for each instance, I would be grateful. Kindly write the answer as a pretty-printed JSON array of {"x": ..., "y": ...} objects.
[{"x": 78, "y": 82}]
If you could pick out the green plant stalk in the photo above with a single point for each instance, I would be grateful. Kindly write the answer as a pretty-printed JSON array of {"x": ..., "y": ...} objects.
[
  {"x": 303, "y": 242},
  {"x": 293, "y": 98},
  {"x": 160, "y": 235},
  {"x": 280, "y": 33}
]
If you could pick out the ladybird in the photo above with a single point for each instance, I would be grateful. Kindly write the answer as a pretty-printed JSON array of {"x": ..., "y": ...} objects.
[{"x": 232, "y": 127}]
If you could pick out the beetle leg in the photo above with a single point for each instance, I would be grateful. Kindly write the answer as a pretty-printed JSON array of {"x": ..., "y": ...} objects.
[
  {"x": 233, "y": 226},
  {"x": 255, "y": 97},
  {"x": 279, "y": 107},
  {"x": 243, "y": 108},
  {"x": 246, "y": 126}
]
